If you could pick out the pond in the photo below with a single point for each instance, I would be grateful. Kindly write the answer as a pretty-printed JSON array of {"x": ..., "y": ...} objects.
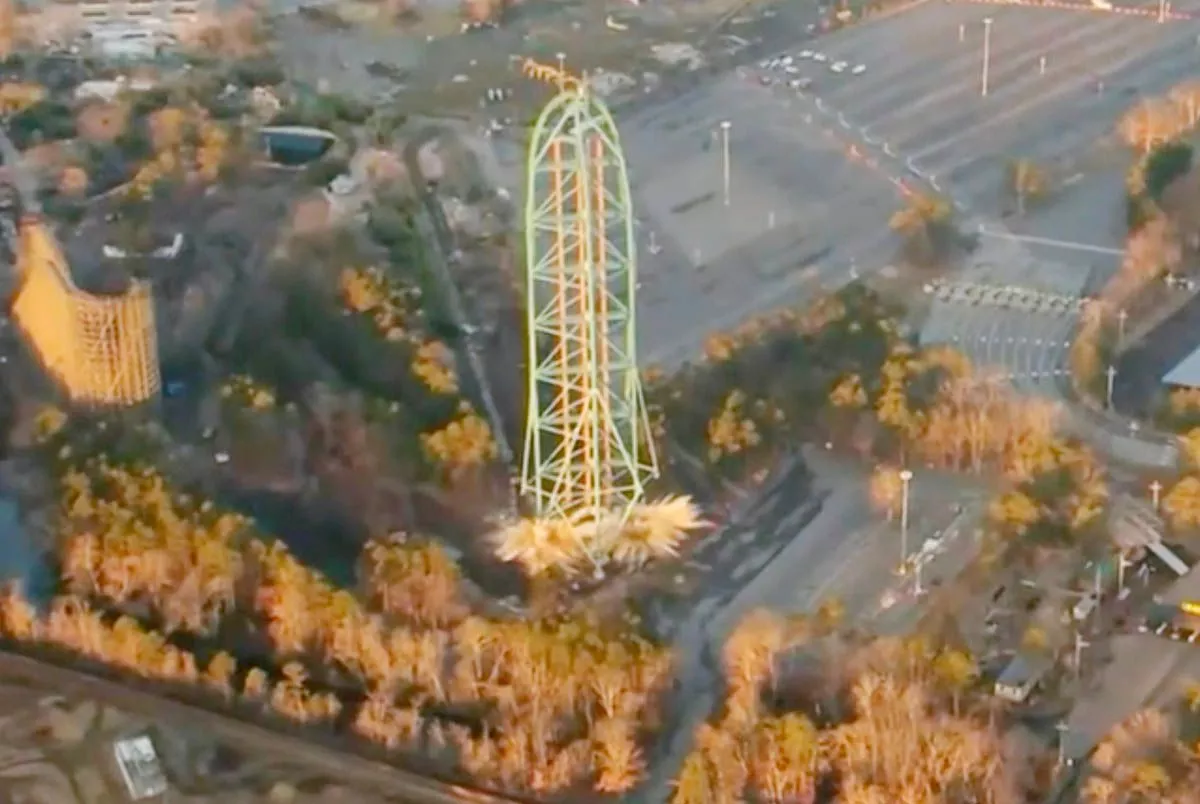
[
  {"x": 295, "y": 145},
  {"x": 20, "y": 560}
]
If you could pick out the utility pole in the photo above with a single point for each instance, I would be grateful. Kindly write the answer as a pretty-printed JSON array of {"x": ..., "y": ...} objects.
[
  {"x": 1112, "y": 376},
  {"x": 987, "y": 54},
  {"x": 905, "y": 476},
  {"x": 725, "y": 126},
  {"x": 1155, "y": 491}
]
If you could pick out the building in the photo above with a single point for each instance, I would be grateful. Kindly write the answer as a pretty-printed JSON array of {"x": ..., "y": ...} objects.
[
  {"x": 120, "y": 24},
  {"x": 1022, "y": 676}
]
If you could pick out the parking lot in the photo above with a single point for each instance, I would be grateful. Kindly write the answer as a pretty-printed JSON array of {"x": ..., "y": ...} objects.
[
  {"x": 800, "y": 214},
  {"x": 921, "y": 93}
]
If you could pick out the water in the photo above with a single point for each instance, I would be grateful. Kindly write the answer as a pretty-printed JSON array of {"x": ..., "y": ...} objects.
[
  {"x": 19, "y": 559},
  {"x": 295, "y": 148}
]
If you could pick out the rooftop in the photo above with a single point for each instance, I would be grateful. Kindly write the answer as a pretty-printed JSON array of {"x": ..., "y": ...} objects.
[{"x": 1186, "y": 373}]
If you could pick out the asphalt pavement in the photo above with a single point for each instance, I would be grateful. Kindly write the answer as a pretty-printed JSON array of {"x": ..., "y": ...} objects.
[
  {"x": 799, "y": 213},
  {"x": 922, "y": 92},
  {"x": 1142, "y": 664}
]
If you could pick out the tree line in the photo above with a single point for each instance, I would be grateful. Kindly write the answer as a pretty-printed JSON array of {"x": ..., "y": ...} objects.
[{"x": 171, "y": 588}]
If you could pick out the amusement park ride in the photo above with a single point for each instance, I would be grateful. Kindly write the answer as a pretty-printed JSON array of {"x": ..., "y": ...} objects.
[{"x": 588, "y": 453}]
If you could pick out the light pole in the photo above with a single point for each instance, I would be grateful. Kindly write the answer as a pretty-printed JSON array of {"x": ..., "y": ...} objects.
[
  {"x": 1042, "y": 65},
  {"x": 1122, "y": 317},
  {"x": 562, "y": 61},
  {"x": 1111, "y": 373},
  {"x": 1080, "y": 644},
  {"x": 725, "y": 126},
  {"x": 905, "y": 477},
  {"x": 962, "y": 32},
  {"x": 1122, "y": 563},
  {"x": 987, "y": 54},
  {"x": 1155, "y": 491},
  {"x": 1062, "y": 728}
]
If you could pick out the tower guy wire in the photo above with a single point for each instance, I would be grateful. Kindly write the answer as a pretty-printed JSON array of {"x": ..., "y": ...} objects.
[{"x": 588, "y": 453}]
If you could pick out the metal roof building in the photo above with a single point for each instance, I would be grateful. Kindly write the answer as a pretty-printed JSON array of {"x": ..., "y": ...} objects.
[{"x": 1186, "y": 373}]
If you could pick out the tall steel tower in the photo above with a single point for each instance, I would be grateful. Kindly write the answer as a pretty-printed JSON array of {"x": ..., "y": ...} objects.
[{"x": 588, "y": 452}]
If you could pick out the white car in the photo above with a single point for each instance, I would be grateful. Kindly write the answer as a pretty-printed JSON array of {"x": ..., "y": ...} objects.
[
  {"x": 792, "y": 69},
  {"x": 859, "y": 69},
  {"x": 786, "y": 61},
  {"x": 838, "y": 66},
  {"x": 806, "y": 54},
  {"x": 820, "y": 58}
]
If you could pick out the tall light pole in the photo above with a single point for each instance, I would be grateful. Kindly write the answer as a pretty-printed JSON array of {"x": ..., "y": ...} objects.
[
  {"x": 725, "y": 126},
  {"x": 905, "y": 477},
  {"x": 1155, "y": 491},
  {"x": 1062, "y": 728},
  {"x": 562, "y": 61},
  {"x": 962, "y": 32},
  {"x": 1111, "y": 373},
  {"x": 1080, "y": 644},
  {"x": 987, "y": 54},
  {"x": 1121, "y": 575}
]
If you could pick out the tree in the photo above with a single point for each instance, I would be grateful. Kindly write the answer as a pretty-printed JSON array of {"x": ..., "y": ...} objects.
[
  {"x": 1027, "y": 181},
  {"x": 886, "y": 489},
  {"x": 1182, "y": 503},
  {"x": 955, "y": 670},
  {"x": 1163, "y": 165},
  {"x": 693, "y": 786},
  {"x": 1150, "y": 122},
  {"x": 1186, "y": 97},
  {"x": 924, "y": 224}
]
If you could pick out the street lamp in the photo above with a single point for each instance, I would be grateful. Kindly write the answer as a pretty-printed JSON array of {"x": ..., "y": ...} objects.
[
  {"x": 725, "y": 126},
  {"x": 1042, "y": 65},
  {"x": 1062, "y": 728},
  {"x": 1111, "y": 373},
  {"x": 906, "y": 476},
  {"x": 1080, "y": 644},
  {"x": 987, "y": 53},
  {"x": 562, "y": 61},
  {"x": 1155, "y": 490}
]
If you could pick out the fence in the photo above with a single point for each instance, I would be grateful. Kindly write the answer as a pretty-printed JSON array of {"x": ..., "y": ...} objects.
[{"x": 101, "y": 350}]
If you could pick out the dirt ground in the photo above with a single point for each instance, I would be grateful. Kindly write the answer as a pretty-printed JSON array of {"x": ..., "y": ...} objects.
[{"x": 59, "y": 750}]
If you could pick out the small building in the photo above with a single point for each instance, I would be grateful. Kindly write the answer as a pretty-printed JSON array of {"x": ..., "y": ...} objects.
[
  {"x": 1022, "y": 676},
  {"x": 140, "y": 768}
]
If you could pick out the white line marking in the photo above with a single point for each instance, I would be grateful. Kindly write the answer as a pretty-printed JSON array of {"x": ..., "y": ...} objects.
[{"x": 1047, "y": 241}]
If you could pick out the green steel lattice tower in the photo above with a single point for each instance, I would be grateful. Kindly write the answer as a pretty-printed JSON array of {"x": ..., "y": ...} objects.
[{"x": 588, "y": 452}]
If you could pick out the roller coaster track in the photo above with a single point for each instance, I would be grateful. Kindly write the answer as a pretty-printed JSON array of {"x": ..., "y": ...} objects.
[{"x": 314, "y": 752}]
